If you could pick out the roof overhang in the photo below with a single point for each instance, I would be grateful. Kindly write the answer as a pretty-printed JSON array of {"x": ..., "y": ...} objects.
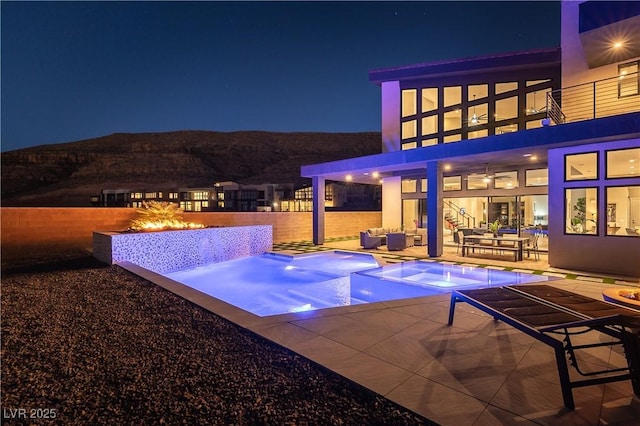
[
  {"x": 609, "y": 31},
  {"x": 499, "y": 150},
  {"x": 479, "y": 64}
]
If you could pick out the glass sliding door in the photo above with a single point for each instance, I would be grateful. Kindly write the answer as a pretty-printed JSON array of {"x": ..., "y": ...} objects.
[{"x": 414, "y": 212}]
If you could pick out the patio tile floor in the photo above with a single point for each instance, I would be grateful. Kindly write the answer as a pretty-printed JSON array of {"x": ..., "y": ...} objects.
[{"x": 475, "y": 372}]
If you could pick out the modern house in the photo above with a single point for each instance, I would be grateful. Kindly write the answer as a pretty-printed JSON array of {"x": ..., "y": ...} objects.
[
  {"x": 235, "y": 197},
  {"x": 547, "y": 139},
  {"x": 223, "y": 196}
]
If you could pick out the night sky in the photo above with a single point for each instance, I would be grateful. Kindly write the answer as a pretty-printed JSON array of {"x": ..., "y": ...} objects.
[{"x": 78, "y": 70}]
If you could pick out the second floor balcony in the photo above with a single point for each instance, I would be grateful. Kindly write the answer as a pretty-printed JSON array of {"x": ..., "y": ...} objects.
[{"x": 597, "y": 99}]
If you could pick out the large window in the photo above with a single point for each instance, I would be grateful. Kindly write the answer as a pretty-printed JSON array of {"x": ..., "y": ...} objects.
[
  {"x": 475, "y": 182},
  {"x": 409, "y": 186},
  {"x": 477, "y": 134},
  {"x": 506, "y": 180},
  {"x": 199, "y": 195},
  {"x": 429, "y": 125},
  {"x": 628, "y": 80},
  {"x": 429, "y": 99},
  {"x": 478, "y": 91},
  {"x": 476, "y": 109},
  {"x": 537, "y": 102},
  {"x": 506, "y": 87},
  {"x": 409, "y": 129},
  {"x": 581, "y": 166},
  {"x": 623, "y": 163},
  {"x": 452, "y": 120},
  {"x": 409, "y": 102},
  {"x": 581, "y": 211},
  {"x": 623, "y": 211},
  {"x": 536, "y": 177},
  {"x": 452, "y": 96},
  {"x": 477, "y": 115},
  {"x": 452, "y": 183},
  {"x": 506, "y": 108}
]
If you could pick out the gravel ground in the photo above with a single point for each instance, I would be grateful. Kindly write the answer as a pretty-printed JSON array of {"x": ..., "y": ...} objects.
[{"x": 91, "y": 344}]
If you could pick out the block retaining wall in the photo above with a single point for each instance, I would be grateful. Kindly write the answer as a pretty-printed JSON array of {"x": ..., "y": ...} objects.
[{"x": 36, "y": 231}]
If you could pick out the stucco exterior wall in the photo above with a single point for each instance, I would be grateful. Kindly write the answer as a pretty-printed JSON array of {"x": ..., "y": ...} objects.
[
  {"x": 575, "y": 69},
  {"x": 390, "y": 113},
  {"x": 601, "y": 253},
  {"x": 39, "y": 230}
]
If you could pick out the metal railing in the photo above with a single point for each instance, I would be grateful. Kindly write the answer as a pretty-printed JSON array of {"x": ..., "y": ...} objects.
[{"x": 602, "y": 98}]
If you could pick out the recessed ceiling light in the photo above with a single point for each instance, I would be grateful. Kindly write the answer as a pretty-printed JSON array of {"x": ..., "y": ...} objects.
[
  {"x": 375, "y": 175},
  {"x": 349, "y": 178},
  {"x": 533, "y": 158},
  {"x": 618, "y": 44},
  {"x": 447, "y": 167}
]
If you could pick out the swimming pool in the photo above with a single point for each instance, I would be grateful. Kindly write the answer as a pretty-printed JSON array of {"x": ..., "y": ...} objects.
[{"x": 272, "y": 284}]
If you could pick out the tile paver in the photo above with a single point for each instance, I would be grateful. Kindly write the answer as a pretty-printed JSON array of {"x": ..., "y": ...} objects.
[{"x": 476, "y": 372}]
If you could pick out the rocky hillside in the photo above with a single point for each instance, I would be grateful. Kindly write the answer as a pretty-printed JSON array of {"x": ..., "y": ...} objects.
[{"x": 67, "y": 174}]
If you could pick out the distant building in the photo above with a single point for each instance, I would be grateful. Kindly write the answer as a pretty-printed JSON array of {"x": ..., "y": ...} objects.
[
  {"x": 130, "y": 197},
  {"x": 337, "y": 196},
  {"x": 234, "y": 197}
]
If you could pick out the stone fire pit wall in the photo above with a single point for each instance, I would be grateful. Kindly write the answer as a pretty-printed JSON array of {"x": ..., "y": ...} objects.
[{"x": 168, "y": 251}]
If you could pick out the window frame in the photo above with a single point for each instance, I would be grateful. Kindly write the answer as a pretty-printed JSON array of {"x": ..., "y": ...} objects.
[
  {"x": 597, "y": 177},
  {"x": 516, "y": 179},
  {"x": 606, "y": 164},
  {"x": 620, "y": 80},
  {"x": 597, "y": 200},
  {"x": 444, "y": 188},
  {"x": 526, "y": 172},
  {"x": 606, "y": 213}
]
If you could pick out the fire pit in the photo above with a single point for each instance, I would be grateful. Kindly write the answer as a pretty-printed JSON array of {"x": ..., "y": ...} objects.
[{"x": 629, "y": 298}]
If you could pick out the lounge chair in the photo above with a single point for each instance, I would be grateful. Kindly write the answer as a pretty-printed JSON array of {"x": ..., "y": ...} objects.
[
  {"x": 552, "y": 315},
  {"x": 369, "y": 241},
  {"x": 419, "y": 236},
  {"x": 396, "y": 241}
]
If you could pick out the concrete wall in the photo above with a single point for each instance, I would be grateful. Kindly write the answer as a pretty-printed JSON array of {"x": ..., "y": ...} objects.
[{"x": 36, "y": 231}]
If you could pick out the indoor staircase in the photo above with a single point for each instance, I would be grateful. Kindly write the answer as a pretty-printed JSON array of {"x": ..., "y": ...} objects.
[{"x": 459, "y": 218}]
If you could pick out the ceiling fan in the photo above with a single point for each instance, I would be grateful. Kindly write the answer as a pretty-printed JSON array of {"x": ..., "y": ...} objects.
[
  {"x": 533, "y": 109},
  {"x": 484, "y": 177},
  {"x": 476, "y": 119}
]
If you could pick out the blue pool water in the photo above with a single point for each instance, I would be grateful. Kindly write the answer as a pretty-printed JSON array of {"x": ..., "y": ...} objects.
[{"x": 272, "y": 284}]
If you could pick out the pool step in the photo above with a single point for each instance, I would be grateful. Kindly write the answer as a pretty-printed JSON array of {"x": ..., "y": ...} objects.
[{"x": 306, "y": 298}]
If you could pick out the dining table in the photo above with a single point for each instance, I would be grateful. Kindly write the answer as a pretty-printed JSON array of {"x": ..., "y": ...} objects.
[{"x": 471, "y": 242}]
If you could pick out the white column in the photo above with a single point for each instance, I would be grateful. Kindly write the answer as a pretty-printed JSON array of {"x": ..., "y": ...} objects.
[{"x": 392, "y": 202}]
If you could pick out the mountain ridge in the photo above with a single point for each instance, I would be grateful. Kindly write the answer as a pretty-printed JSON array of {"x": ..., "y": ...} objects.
[{"x": 68, "y": 173}]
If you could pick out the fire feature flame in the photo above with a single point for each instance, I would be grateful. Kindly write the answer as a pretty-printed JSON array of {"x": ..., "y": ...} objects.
[{"x": 158, "y": 216}]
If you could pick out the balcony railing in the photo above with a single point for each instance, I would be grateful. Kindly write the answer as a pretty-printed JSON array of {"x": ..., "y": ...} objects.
[{"x": 602, "y": 98}]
